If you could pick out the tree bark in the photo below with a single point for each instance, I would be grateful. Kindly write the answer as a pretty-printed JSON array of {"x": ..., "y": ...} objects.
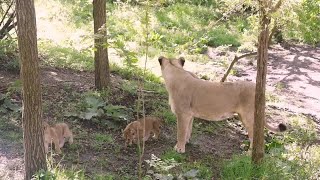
[
  {"x": 34, "y": 153},
  {"x": 259, "y": 114},
  {"x": 102, "y": 72}
]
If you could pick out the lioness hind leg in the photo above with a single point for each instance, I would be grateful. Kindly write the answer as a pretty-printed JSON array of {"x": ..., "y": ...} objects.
[
  {"x": 183, "y": 122},
  {"x": 248, "y": 122}
]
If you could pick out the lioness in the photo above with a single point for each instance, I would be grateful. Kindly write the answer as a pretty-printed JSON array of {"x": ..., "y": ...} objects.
[
  {"x": 56, "y": 134},
  {"x": 191, "y": 97},
  {"x": 134, "y": 130}
]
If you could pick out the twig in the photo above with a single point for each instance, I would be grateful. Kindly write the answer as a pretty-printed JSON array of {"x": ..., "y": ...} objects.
[
  {"x": 7, "y": 26},
  {"x": 236, "y": 58},
  {"x": 5, "y": 14},
  {"x": 276, "y": 7}
]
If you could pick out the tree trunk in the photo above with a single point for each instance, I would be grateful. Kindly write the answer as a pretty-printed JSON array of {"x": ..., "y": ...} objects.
[
  {"x": 34, "y": 153},
  {"x": 259, "y": 114},
  {"x": 102, "y": 72}
]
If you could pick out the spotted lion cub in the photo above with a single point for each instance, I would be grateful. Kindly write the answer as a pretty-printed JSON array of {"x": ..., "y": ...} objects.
[
  {"x": 57, "y": 134},
  {"x": 134, "y": 130}
]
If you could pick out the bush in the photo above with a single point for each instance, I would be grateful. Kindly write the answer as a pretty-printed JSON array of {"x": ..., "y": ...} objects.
[
  {"x": 222, "y": 36},
  {"x": 310, "y": 21}
]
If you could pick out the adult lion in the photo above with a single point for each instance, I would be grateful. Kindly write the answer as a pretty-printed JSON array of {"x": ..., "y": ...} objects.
[{"x": 191, "y": 97}]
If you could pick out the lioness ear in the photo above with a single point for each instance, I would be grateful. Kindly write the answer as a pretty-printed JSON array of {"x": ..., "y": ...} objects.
[
  {"x": 182, "y": 60},
  {"x": 160, "y": 59}
]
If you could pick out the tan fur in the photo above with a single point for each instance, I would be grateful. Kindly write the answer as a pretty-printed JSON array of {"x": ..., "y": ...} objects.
[
  {"x": 191, "y": 97},
  {"x": 134, "y": 130},
  {"x": 56, "y": 134}
]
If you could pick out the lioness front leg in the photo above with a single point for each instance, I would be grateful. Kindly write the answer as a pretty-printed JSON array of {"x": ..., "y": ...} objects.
[
  {"x": 183, "y": 122},
  {"x": 189, "y": 130}
]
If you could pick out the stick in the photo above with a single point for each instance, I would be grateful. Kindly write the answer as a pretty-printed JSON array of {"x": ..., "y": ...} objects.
[{"x": 236, "y": 58}]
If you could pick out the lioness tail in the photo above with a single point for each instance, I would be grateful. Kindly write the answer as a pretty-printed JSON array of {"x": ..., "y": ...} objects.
[{"x": 281, "y": 127}]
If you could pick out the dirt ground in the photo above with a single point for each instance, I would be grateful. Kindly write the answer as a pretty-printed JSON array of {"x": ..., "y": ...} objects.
[{"x": 293, "y": 77}]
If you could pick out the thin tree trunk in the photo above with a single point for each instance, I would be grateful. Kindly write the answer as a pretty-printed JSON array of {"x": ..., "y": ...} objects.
[
  {"x": 259, "y": 114},
  {"x": 34, "y": 153},
  {"x": 102, "y": 72}
]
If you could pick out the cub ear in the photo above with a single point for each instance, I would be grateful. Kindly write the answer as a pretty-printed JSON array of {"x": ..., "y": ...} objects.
[
  {"x": 182, "y": 60},
  {"x": 160, "y": 59}
]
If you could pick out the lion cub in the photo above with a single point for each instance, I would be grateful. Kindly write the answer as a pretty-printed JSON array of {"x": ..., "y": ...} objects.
[
  {"x": 134, "y": 130},
  {"x": 56, "y": 134}
]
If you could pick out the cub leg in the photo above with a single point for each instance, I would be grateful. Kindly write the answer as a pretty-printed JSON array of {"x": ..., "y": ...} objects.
[
  {"x": 56, "y": 144},
  {"x": 46, "y": 147},
  {"x": 183, "y": 122},
  {"x": 156, "y": 131}
]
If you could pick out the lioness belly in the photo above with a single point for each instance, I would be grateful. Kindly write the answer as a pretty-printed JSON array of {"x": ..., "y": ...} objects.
[{"x": 213, "y": 116}]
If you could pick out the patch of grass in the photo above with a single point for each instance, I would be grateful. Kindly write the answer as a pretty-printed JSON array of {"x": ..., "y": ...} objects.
[
  {"x": 172, "y": 154},
  {"x": 240, "y": 167},
  {"x": 130, "y": 87},
  {"x": 66, "y": 57},
  {"x": 131, "y": 73},
  {"x": 280, "y": 85},
  {"x": 103, "y": 138},
  {"x": 303, "y": 130},
  {"x": 222, "y": 36},
  {"x": 292, "y": 155},
  {"x": 104, "y": 177},
  {"x": 271, "y": 97},
  {"x": 164, "y": 112}
]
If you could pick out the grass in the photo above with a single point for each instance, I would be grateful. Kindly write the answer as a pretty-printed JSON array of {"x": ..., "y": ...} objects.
[
  {"x": 66, "y": 57},
  {"x": 172, "y": 154},
  {"x": 291, "y": 156}
]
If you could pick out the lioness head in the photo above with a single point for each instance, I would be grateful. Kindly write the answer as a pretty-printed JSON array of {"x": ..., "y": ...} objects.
[{"x": 175, "y": 62}]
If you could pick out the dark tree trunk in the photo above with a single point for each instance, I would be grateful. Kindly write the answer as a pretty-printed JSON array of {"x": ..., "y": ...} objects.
[
  {"x": 259, "y": 114},
  {"x": 34, "y": 153},
  {"x": 102, "y": 72}
]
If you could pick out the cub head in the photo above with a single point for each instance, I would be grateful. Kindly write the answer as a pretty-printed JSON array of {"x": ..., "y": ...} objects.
[
  {"x": 45, "y": 126},
  {"x": 175, "y": 62},
  {"x": 130, "y": 132}
]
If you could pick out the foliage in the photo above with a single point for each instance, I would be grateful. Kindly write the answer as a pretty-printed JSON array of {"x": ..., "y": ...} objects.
[
  {"x": 8, "y": 55},
  {"x": 221, "y": 36},
  {"x": 66, "y": 57},
  {"x": 174, "y": 165},
  {"x": 131, "y": 73},
  {"x": 59, "y": 174},
  {"x": 7, "y": 105},
  {"x": 310, "y": 21},
  {"x": 93, "y": 108},
  {"x": 290, "y": 156}
]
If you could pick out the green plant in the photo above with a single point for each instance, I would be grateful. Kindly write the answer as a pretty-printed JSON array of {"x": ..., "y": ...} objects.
[
  {"x": 310, "y": 23},
  {"x": 15, "y": 87},
  {"x": 7, "y": 105},
  {"x": 222, "y": 36},
  {"x": 66, "y": 57},
  {"x": 103, "y": 138},
  {"x": 93, "y": 108},
  {"x": 56, "y": 172},
  {"x": 172, "y": 154}
]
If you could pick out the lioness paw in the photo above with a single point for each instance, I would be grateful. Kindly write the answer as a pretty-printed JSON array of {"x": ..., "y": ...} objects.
[{"x": 179, "y": 149}]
